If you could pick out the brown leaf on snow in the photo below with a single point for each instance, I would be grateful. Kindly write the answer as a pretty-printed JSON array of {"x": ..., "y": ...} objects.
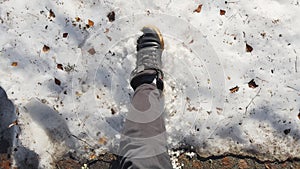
[
  {"x": 111, "y": 16},
  {"x": 13, "y": 123},
  {"x": 299, "y": 116},
  {"x": 77, "y": 19},
  {"x": 222, "y": 12},
  {"x": 287, "y": 131},
  {"x": 106, "y": 30},
  {"x": 275, "y": 21},
  {"x": 60, "y": 66},
  {"x": 109, "y": 38},
  {"x": 263, "y": 34},
  {"x": 51, "y": 14},
  {"x": 249, "y": 48},
  {"x": 57, "y": 82},
  {"x": 190, "y": 109},
  {"x": 113, "y": 111},
  {"x": 92, "y": 51},
  {"x": 102, "y": 140},
  {"x": 46, "y": 48},
  {"x": 234, "y": 89},
  {"x": 93, "y": 156},
  {"x": 252, "y": 84},
  {"x": 65, "y": 35},
  {"x": 219, "y": 110},
  {"x": 90, "y": 23},
  {"x": 198, "y": 10},
  {"x": 243, "y": 164},
  {"x": 14, "y": 64},
  {"x": 78, "y": 94}
]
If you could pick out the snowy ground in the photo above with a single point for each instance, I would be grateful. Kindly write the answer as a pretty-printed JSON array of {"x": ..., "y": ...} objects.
[{"x": 65, "y": 65}]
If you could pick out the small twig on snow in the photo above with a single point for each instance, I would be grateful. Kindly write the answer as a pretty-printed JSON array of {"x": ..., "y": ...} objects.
[
  {"x": 246, "y": 109},
  {"x": 293, "y": 88},
  {"x": 81, "y": 140},
  {"x": 296, "y": 64}
]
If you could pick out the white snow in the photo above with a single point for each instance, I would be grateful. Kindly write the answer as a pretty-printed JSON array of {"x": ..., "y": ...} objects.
[{"x": 204, "y": 57}]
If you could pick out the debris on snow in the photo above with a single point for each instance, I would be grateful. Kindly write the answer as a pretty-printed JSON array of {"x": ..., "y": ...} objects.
[{"x": 198, "y": 9}]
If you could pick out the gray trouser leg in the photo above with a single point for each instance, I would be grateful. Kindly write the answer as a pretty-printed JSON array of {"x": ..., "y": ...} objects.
[{"x": 143, "y": 143}]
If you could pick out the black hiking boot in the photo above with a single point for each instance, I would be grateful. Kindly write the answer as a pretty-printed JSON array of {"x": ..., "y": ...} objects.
[{"x": 148, "y": 65}]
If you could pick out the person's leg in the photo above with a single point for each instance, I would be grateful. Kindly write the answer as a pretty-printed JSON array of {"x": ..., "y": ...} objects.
[{"x": 143, "y": 143}]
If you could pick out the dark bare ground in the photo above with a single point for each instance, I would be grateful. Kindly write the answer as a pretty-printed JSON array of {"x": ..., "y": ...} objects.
[
  {"x": 234, "y": 162},
  {"x": 220, "y": 162}
]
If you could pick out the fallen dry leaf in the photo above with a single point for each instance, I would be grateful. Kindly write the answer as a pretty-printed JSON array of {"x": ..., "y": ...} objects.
[
  {"x": 92, "y": 51},
  {"x": 90, "y": 23},
  {"x": 51, "y": 14},
  {"x": 57, "y": 82},
  {"x": 103, "y": 140},
  {"x": 14, "y": 64},
  {"x": 219, "y": 110},
  {"x": 60, "y": 66},
  {"x": 65, "y": 35},
  {"x": 287, "y": 131},
  {"x": 78, "y": 93},
  {"x": 234, "y": 89},
  {"x": 249, "y": 48},
  {"x": 299, "y": 116},
  {"x": 46, "y": 48},
  {"x": 198, "y": 10},
  {"x": 13, "y": 123},
  {"x": 93, "y": 156},
  {"x": 243, "y": 164},
  {"x": 263, "y": 34},
  {"x": 113, "y": 111},
  {"x": 148, "y": 12},
  {"x": 252, "y": 84},
  {"x": 190, "y": 109},
  {"x": 77, "y": 19},
  {"x": 222, "y": 12},
  {"x": 106, "y": 30},
  {"x": 275, "y": 21},
  {"x": 109, "y": 38},
  {"x": 111, "y": 16}
]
